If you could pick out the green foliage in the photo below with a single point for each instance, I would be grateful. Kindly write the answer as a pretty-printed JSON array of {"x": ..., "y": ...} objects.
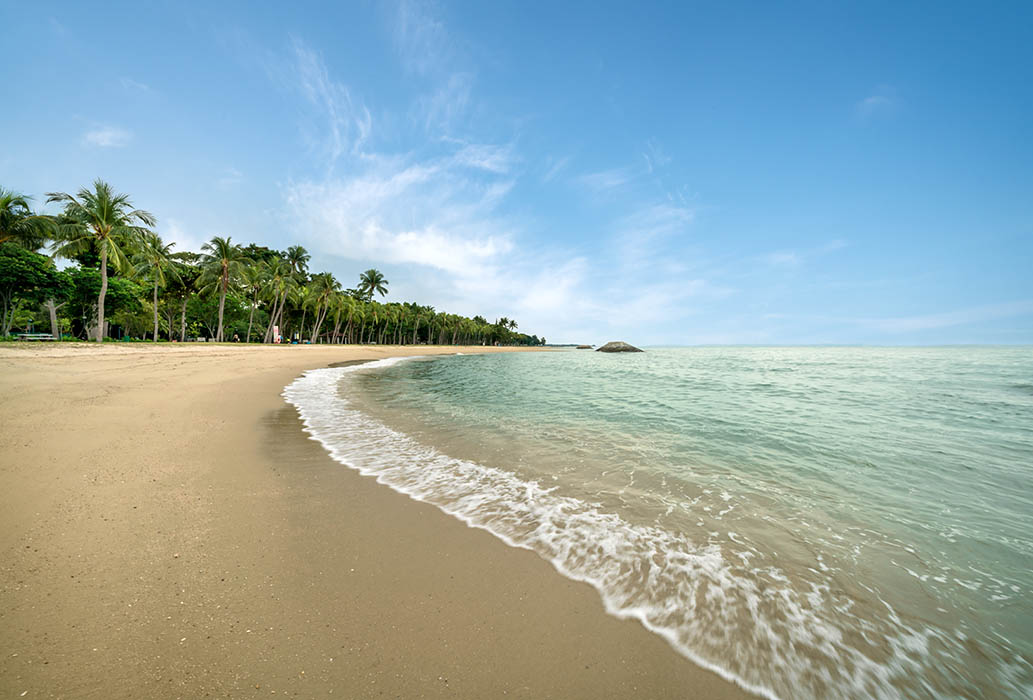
[
  {"x": 123, "y": 295},
  {"x": 27, "y": 277},
  {"x": 19, "y": 225},
  {"x": 261, "y": 254}
]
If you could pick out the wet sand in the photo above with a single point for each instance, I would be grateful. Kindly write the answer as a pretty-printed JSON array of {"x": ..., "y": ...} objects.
[{"x": 167, "y": 530}]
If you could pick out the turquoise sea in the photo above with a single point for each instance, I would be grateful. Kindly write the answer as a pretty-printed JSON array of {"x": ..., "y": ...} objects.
[{"x": 806, "y": 521}]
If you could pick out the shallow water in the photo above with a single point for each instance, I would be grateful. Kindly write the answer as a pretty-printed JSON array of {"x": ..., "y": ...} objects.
[{"x": 805, "y": 521}]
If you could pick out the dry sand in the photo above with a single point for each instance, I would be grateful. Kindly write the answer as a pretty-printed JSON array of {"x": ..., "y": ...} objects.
[{"x": 167, "y": 530}]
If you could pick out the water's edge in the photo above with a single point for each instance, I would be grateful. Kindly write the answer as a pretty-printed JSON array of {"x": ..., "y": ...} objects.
[{"x": 295, "y": 394}]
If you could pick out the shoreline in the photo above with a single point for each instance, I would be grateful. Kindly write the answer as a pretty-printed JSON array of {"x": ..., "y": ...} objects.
[{"x": 169, "y": 530}]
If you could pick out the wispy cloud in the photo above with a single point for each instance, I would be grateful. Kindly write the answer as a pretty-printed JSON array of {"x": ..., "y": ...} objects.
[
  {"x": 347, "y": 122},
  {"x": 107, "y": 137},
  {"x": 796, "y": 258},
  {"x": 783, "y": 259},
  {"x": 554, "y": 166},
  {"x": 229, "y": 178},
  {"x": 133, "y": 85},
  {"x": 654, "y": 156},
  {"x": 881, "y": 102},
  {"x": 959, "y": 317},
  {"x": 606, "y": 179},
  {"x": 420, "y": 38},
  {"x": 494, "y": 159},
  {"x": 444, "y": 107}
]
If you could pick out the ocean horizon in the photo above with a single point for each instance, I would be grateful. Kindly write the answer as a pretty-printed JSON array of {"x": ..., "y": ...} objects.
[{"x": 805, "y": 521}]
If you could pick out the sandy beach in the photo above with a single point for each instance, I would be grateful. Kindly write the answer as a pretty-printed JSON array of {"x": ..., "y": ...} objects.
[{"x": 168, "y": 530}]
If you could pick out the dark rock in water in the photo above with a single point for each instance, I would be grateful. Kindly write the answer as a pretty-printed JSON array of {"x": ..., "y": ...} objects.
[
  {"x": 618, "y": 346},
  {"x": 584, "y": 347}
]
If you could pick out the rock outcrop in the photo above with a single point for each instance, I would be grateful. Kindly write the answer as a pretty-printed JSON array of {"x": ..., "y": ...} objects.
[{"x": 618, "y": 346}]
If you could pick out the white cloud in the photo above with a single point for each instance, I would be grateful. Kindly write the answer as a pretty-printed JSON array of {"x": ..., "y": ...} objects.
[
  {"x": 606, "y": 179},
  {"x": 107, "y": 137},
  {"x": 433, "y": 218},
  {"x": 173, "y": 231},
  {"x": 432, "y": 212}
]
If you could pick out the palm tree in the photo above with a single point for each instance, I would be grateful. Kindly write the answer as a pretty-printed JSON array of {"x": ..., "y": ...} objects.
[
  {"x": 154, "y": 258},
  {"x": 254, "y": 278},
  {"x": 279, "y": 281},
  {"x": 19, "y": 225},
  {"x": 102, "y": 219},
  {"x": 297, "y": 258},
  {"x": 372, "y": 281},
  {"x": 323, "y": 287},
  {"x": 223, "y": 263}
]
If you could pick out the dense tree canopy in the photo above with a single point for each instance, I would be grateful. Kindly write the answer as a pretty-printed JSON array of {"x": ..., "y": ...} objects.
[
  {"x": 125, "y": 282},
  {"x": 27, "y": 277}
]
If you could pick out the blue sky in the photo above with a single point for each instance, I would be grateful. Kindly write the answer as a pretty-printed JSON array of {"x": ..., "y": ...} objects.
[{"x": 659, "y": 173}]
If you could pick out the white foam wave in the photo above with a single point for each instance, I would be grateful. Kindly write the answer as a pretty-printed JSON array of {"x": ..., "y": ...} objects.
[{"x": 751, "y": 626}]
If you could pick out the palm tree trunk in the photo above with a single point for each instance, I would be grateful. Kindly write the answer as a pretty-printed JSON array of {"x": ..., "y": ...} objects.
[
  {"x": 251, "y": 316},
  {"x": 55, "y": 330},
  {"x": 183, "y": 320},
  {"x": 103, "y": 293},
  {"x": 222, "y": 305},
  {"x": 155, "y": 298},
  {"x": 319, "y": 322},
  {"x": 274, "y": 317},
  {"x": 272, "y": 320}
]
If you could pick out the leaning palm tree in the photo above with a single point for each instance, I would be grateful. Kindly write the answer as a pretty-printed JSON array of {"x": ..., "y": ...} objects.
[
  {"x": 372, "y": 281},
  {"x": 19, "y": 225},
  {"x": 102, "y": 220},
  {"x": 154, "y": 258},
  {"x": 279, "y": 281},
  {"x": 254, "y": 278},
  {"x": 323, "y": 287},
  {"x": 223, "y": 263}
]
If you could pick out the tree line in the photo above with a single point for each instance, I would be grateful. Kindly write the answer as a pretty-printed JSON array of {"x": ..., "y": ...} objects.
[{"x": 124, "y": 281}]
